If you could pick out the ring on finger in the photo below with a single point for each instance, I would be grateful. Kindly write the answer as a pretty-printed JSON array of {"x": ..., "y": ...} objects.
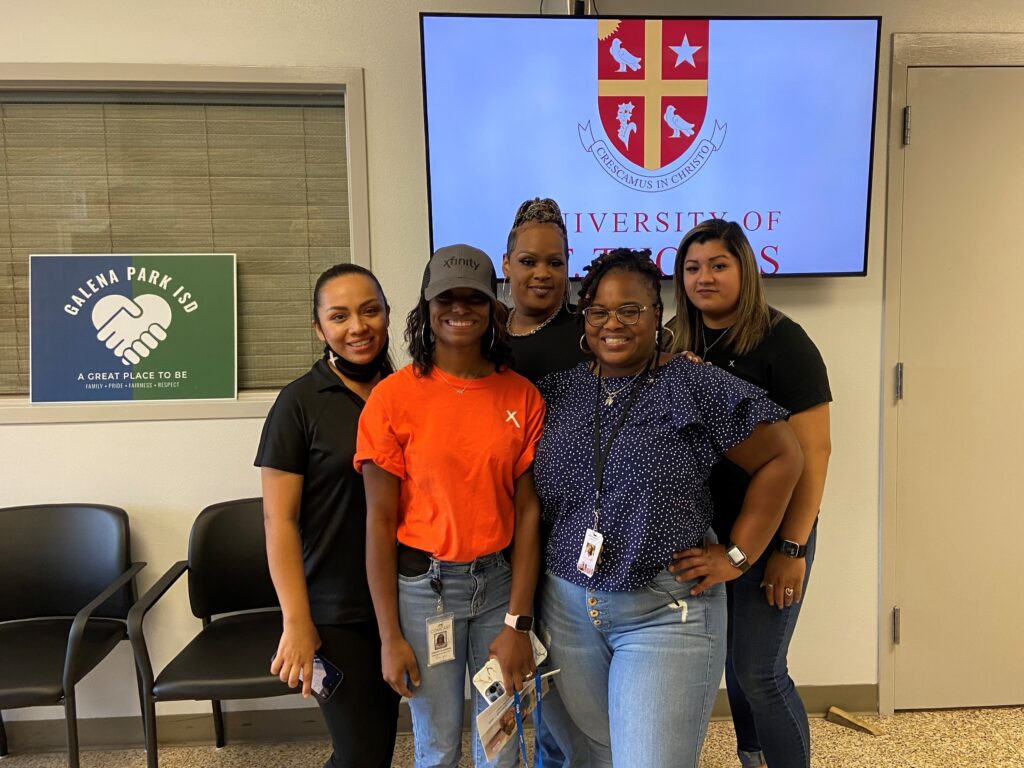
[
  {"x": 789, "y": 591},
  {"x": 769, "y": 586}
]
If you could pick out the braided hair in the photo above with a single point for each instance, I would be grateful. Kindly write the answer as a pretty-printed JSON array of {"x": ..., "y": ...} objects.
[
  {"x": 623, "y": 260},
  {"x": 539, "y": 210}
]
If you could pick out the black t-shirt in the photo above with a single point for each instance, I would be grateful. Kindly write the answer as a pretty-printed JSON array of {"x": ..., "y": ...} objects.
[
  {"x": 555, "y": 347},
  {"x": 311, "y": 431},
  {"x": 789, "y": 367}
]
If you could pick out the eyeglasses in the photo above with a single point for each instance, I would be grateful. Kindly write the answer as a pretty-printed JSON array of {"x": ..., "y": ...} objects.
[{"x": 627, "y": 314}]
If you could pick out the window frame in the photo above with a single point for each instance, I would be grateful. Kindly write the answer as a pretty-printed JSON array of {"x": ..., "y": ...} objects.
[{"x": 347, "y": 82}]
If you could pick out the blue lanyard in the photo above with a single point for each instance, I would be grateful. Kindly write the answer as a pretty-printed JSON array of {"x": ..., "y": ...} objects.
[{"x": 539, "y": 759}]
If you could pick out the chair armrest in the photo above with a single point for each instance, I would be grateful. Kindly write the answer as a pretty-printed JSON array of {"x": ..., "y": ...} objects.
[
  {"x": 137, "y": 615},
  {"x": 83, "y": 616}
]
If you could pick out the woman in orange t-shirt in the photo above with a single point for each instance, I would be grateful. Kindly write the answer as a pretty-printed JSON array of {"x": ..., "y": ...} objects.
[{"x": 446, "y": 449}]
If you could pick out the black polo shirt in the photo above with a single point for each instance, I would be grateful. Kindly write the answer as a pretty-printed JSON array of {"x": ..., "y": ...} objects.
[
  {"x": 555, "y": 347},
  {"x": 788, "y": 366},
  {"x": 311, "y": 431}
]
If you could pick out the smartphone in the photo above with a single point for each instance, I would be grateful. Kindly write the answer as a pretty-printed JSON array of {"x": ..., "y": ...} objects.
[
  {"x": 488, "y": 680},
  {"x": 326, "y": 677}
]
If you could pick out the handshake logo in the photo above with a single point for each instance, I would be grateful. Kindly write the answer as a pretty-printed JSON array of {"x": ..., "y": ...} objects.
[{"x": 131, "y": 329}]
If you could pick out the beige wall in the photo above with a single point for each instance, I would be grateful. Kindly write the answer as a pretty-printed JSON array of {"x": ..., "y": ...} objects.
[{"x": 163, "y": 472}]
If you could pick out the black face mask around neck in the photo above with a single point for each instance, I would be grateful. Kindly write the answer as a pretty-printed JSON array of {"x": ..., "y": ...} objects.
[{"x": 361, "y": 372}]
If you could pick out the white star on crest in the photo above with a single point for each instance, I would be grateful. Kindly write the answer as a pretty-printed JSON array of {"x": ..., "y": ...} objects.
[{"x": 684, "y": 52}]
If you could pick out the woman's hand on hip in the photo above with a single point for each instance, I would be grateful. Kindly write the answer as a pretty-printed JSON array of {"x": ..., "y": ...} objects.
[
  {"x": 784, "y": 580},
  {"x": 709, "y": 565},
  {"x": 299, "y": 641},
  {"x": 514, "y": 653},
  {"x": 399, "y": 667}
]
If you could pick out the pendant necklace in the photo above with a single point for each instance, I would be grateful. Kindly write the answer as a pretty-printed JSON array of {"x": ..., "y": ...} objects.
[
  {"x": 458, "y": 390},
  {"x": 611, "y": 394},
  {"x": 704, "y": 339}
]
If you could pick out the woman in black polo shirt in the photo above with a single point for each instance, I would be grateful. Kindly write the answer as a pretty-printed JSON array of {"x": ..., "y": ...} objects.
[{"x": 315, "y": 512}]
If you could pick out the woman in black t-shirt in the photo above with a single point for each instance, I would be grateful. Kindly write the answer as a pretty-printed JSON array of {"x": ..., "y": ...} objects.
[
  {"x": 315, "y": 512},
  {"x": 545, "y": 337},
  {"x": 542, "y": 326},
  {"x": 723, "y": 316}
]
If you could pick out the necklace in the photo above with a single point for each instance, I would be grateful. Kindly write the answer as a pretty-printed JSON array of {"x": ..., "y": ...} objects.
[
  {"x": 611, "y": 394},
  {"x": 458, "y": 390},
  {"x": 704, "y": 339},
  {"x": 511, "y": 314}
]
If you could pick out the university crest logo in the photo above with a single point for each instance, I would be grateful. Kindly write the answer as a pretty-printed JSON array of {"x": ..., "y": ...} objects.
[{"x": 652, "y": 98}]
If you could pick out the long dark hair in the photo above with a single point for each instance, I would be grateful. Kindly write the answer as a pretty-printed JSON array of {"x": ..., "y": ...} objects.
[
  {"x": 754, "y": 318},
  {"x": 624, "y": 260},
  {"x": 494, "y": 344},
  {"x": 342, "y": 270}
]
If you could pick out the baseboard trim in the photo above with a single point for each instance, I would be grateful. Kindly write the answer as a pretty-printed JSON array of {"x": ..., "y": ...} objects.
[{"x": 304, "y": 724}]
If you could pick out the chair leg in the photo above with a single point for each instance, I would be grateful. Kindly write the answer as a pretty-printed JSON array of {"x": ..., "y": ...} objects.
[
  {"x": 149, "y": 724},
  {"x": 142, "y": 703},
  {"x": 3, "y": 737},
  {"x": 71, "y": 723},
  {"x": 218, "y": 723}
]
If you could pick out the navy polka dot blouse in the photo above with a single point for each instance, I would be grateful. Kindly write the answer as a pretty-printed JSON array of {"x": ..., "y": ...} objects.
[{"x": 655, "y": 499}]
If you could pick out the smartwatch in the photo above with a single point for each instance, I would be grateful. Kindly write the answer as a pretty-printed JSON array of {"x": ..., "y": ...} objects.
[
  {"x": 519, "y": 623},
  {"x": 737, "y": 558},
  {"x": 792, "y": 549}
]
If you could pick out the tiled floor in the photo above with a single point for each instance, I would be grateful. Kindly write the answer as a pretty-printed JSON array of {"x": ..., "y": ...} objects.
[{"x": 991, "y": 738}]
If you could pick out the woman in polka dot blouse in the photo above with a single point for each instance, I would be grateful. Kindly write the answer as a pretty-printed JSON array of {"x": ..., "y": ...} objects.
[{"x": 622, "y": 471}]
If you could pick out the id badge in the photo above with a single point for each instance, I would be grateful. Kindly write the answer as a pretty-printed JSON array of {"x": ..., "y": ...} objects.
[
  {"x": 440, "y": 639},
  {"x": 589, "y": 552}
]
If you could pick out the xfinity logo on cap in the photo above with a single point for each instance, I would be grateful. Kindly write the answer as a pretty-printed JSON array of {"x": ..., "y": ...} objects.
[{"x": 458, "y": 261}]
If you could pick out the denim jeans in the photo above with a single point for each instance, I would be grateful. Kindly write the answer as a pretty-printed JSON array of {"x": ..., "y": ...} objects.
[
  {"x": 640, "y": 669},
  {"x": 770, "y": 719},
  {"x": 477, "y": 593},
  {"x": 557, "y": 739}
]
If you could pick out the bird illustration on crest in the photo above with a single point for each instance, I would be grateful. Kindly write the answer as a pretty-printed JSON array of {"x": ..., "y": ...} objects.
[
  {"x": 677, "y": 123},
  {"x": 623, "y": 57}
]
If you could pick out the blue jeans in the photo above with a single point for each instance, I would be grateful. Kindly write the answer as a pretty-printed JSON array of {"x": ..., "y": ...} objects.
[
  {"x": 557, "y": 739},
  {"x": 770, "y": 719},
  {"x": 477, "y": 593},
  {"x": 640, "y": 669}
]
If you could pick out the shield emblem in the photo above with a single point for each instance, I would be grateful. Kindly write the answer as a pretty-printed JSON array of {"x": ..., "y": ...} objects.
[{"x": 652, "y": 86}]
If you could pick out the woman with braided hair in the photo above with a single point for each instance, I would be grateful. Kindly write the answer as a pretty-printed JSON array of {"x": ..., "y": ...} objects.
[
  {"x": 542, "y": 325},
  {"x": 621, "y": 470},
  {"x": 543, "y": 331}
]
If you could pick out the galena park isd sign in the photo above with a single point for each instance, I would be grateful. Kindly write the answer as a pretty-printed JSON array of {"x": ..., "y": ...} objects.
[{"x": 132, "y": 327}]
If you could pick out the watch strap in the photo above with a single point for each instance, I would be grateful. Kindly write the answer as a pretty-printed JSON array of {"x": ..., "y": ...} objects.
[{"x": 792, "y": 549}]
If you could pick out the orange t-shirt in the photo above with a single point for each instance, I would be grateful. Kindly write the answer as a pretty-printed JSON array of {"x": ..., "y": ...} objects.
[{"x": 457, "y": 455}]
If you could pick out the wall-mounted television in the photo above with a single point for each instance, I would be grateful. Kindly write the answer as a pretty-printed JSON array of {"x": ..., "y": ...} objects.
[{"x": 642, "y": 127}]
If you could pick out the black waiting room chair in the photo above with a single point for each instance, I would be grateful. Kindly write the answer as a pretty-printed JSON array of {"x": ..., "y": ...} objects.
[
  {"x": 230, "y": 657},
  {"x": 66, "y": 584}
]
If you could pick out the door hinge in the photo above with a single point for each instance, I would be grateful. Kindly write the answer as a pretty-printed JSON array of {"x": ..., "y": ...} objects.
[
  {"x": 895, "y": 626},
  {"x": 906, "y": 125},
  {"x": 899, "y": 381}
]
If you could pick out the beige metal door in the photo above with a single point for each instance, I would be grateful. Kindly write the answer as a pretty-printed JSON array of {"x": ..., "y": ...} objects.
[{"x": 960, "y": 474}]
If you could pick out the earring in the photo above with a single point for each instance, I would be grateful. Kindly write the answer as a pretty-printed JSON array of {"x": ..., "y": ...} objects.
[
  {"x": 506, "y": 294},
  {"x": 584, "y": 348},
  {"x": 424, "y": 331},
  {"x": 493, "y": 334}
]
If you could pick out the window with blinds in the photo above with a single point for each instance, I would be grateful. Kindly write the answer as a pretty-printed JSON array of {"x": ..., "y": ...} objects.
[{"x": 264, "y": 181}]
